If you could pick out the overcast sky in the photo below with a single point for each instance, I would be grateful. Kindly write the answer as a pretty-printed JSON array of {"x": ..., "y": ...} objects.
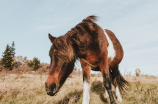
[{"x": 134, "y": 22}]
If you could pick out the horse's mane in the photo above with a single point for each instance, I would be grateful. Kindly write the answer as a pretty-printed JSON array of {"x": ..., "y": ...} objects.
[
  {"x": 63, "y": 49},
  {"x": 91, "y": 18}
]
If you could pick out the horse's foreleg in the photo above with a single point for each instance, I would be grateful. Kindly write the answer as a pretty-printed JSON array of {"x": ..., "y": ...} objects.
[
  {"x": 106, "y": 79},
  {"x": 86, "y": 81}
]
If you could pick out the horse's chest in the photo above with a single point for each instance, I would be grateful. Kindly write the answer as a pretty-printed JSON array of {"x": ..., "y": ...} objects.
[{"x": 111, "y": 50}]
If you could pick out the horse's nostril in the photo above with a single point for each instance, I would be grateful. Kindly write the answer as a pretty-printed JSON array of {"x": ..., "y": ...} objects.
[
  {"x": 50, "y": 88},
  {"x": 46, "y": 87},
  {"x": 53, "y": 86}
]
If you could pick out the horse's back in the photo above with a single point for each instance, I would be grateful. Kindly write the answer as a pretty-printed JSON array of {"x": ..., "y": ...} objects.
[{"x": 117, "y": 47}]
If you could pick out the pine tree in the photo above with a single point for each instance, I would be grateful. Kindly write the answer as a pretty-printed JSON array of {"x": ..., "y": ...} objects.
[
  {"x": 7, "y": 61},
  {"x": 13, "y": 50}
]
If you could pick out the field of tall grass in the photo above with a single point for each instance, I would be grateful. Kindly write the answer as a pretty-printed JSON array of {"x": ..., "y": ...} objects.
[{"x": 30, "y": 89}]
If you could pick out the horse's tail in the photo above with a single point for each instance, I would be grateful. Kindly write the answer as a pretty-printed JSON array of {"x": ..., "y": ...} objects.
[{"x": 117, "y": 79}]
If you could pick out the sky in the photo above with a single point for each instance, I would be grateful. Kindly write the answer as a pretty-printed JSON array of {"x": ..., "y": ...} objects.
[{"x": 134, "y": 22}]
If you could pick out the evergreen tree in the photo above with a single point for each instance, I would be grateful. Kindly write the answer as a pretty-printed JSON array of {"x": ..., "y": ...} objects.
[
  {"x": 13, "y": 50},
  {"x": 7, "y": 61}
]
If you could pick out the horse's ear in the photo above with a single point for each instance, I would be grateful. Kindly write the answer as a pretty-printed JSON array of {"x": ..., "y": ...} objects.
[{"x": 51, "y": 37}]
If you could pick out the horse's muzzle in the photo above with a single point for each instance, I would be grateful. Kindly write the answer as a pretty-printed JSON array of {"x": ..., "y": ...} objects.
[{"x": 51, "y": 90}]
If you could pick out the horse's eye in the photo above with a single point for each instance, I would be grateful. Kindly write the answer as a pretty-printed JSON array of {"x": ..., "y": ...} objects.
[{"x": 64, "y": 65}]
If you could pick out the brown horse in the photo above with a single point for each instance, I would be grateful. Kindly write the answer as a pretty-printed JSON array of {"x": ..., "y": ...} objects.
[{"x": 97, "y": 49}]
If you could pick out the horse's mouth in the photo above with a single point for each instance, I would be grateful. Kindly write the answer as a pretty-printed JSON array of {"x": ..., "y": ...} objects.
[
  {"x": 52, "y": 90},
  {"x": 50, "y": 93}
]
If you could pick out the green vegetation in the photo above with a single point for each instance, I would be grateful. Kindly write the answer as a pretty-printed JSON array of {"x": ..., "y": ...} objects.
[
  {"x": 7, "y": 60},
  {"x": 35, "y": 63}
]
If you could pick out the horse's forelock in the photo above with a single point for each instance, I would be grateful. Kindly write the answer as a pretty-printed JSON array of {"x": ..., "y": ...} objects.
[{"x": 63, "y": 49}]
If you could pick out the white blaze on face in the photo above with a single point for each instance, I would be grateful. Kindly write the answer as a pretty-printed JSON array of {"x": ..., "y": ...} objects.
[
  {"x": 119, "y": 98},
  {"x": 111, "y": 51},
  {"x": 86, "y": 93}
]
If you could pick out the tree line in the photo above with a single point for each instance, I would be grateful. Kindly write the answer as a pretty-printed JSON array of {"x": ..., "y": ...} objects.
[{"x": 8, "y": 55}]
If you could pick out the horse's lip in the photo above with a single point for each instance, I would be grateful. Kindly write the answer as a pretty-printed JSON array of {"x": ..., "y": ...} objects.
[{"x": 50, "y": 93}]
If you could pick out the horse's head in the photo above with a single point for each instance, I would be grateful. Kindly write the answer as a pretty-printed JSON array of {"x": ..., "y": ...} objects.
[{"x": 62, "y": 63}]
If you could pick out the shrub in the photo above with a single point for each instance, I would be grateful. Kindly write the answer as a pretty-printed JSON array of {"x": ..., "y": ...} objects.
[
  {"x": 17, "y": 64},
  {"x": 35, "y": 63}
]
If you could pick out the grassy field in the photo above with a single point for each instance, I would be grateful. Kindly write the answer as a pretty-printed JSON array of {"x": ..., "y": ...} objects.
[{"x": 29, "y": 89}]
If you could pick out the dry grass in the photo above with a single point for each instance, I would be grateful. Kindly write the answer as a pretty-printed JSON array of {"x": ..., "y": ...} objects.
[{"x": 29, "y": 89}]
